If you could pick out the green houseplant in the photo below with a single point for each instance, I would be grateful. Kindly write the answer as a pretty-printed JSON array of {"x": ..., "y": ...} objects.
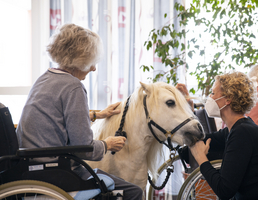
[{"x": 232, "y": 40}]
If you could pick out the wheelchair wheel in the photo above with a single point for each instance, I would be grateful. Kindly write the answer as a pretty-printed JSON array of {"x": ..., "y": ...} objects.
[
  {"x": 176, "y": 180},
  {"x": 196, "y": 187},
  {"x": 30, "y": 189}
]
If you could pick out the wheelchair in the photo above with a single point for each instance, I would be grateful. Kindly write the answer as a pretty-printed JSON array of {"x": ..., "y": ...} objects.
[{"x": 21, "y": 177}]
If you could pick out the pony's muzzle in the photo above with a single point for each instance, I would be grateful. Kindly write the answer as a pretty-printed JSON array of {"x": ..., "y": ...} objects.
[{"x": 192, "y": 137}]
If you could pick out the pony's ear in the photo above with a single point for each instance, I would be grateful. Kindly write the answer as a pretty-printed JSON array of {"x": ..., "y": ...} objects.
[{"x": 146, "y": 88}]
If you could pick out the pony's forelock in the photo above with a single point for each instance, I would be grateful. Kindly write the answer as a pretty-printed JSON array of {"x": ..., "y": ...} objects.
[{"x": 181, "y": 101}]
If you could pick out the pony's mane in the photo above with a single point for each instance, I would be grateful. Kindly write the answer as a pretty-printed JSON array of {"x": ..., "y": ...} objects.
[
  {"x": 136, "y": 111},
  {"x": 111, "y": 125}
]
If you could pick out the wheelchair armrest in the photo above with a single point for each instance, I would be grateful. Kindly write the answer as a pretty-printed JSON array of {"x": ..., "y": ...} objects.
[{"x": 52, "y": 151}]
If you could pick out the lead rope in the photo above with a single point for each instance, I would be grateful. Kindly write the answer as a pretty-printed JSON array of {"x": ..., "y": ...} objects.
[
  {"x": 120, "y": 131},
  {"x": 170, "y": 169}
]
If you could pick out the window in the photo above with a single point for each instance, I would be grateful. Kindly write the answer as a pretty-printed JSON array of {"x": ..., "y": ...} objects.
[
  {"x": 15, "y": 50},
  {"x": 22, "y": 42}
]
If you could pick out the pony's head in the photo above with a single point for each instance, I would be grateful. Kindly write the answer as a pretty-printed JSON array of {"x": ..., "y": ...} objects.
[
  {"x": 169, "y": 114},
  {"x": 168, "y": 109}
]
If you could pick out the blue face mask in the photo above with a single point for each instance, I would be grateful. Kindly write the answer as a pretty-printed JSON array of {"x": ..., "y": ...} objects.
[{"x": 212, "y": 107}]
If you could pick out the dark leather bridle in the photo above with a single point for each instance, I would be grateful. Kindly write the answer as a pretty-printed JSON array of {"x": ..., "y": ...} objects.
[{"x": 169, "y": 134}]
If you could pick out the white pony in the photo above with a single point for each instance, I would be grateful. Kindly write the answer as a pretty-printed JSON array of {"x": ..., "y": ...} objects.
[{"x": 167, "y": 107}]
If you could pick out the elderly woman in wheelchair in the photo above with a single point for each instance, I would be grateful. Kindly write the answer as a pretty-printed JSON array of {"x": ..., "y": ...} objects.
[{"x": 55, "y": 126}]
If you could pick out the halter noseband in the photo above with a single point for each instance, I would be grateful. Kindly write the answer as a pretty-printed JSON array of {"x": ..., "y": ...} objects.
[{"x": 169, "y": 134}]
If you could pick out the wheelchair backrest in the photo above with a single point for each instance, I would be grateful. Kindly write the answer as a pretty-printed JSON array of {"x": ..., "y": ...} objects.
[
  {"x": 8, "y": 139},
  {"x": 209, "y": 127},
  {"x": 208, "y": 123}
]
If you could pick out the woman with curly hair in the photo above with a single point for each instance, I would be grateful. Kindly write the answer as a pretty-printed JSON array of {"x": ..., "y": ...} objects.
[
  {"x": 233, "y": 95},
  {"x": 56, "y": 112}
]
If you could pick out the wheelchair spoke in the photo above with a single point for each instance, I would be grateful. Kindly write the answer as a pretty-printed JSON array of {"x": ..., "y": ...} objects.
[{"x": 196, "y": 187}]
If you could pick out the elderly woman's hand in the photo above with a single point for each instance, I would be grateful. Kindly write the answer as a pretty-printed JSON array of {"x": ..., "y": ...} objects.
[
  {"x": 109, "y": 111},
  {"x": 182, "y": 88},
  {"x": 200, "y": 150},
  {"x": 115, "y": 143}
]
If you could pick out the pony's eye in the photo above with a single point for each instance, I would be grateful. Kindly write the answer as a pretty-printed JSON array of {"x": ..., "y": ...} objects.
[{"x": 170, "y": 103}]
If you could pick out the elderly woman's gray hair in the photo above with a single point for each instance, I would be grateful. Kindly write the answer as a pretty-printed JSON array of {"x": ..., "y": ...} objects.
[{"x": 72, "y": 46}]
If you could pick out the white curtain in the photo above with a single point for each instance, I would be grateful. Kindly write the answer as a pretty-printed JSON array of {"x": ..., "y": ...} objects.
[{"x": 124, "y": 26}]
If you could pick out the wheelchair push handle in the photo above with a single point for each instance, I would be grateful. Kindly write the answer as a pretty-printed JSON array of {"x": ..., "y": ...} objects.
[{"x": 53, "y": 151}]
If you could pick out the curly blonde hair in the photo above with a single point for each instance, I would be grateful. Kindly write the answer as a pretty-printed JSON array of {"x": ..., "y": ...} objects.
[
  {"x": 238, "y": 88},
  {"x": 72, "y": 46}
]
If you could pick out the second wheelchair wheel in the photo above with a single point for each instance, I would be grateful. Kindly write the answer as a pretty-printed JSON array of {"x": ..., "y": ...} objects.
[
  {"x": 176, "y": 180},
  {"x": 196, "y": 187},
  {"x": 30, "y": 189}
]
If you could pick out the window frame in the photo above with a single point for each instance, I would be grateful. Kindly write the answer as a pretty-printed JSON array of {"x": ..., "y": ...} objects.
[{"x": 39, "y": 38}]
